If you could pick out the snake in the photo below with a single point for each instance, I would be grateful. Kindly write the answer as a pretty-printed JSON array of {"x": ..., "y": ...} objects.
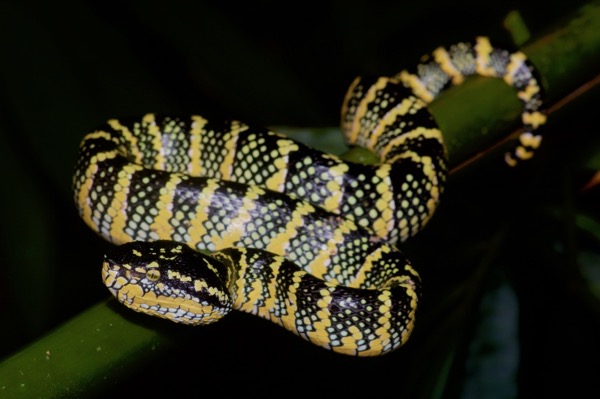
[{"x": 208, "y": 216}]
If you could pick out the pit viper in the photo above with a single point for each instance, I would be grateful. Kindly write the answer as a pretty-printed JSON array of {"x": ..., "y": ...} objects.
[{"x": 211, "y": 216}]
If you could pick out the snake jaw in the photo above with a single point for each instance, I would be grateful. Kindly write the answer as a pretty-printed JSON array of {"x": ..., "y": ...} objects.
[{"x": 110, "y": 274}]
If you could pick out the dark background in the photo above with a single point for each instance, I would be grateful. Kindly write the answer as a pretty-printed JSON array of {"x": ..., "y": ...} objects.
[{"x": 66, "y": 68}]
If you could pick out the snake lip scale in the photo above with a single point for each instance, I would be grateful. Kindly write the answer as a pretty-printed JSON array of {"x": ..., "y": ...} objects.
[{"x": 211, "y": 216}]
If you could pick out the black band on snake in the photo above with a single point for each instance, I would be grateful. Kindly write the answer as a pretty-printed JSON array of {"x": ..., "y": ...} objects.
[{"x": 295, "y": 236}]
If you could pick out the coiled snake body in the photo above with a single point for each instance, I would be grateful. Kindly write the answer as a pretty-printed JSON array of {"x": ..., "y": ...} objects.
[{"x": 296, "y": 236}]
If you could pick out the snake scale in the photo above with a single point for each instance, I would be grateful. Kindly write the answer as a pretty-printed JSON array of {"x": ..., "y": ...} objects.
[{"x": 213, "y": 216}]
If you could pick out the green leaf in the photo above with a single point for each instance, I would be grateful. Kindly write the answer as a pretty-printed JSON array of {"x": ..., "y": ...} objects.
[{"x": 89, "y": 352}]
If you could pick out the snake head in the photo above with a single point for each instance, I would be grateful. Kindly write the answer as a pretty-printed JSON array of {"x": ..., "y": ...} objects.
[{"x": 169, "y": 280}]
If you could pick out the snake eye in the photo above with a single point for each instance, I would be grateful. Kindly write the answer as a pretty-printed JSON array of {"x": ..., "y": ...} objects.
[{"x": 153, "y": 275}]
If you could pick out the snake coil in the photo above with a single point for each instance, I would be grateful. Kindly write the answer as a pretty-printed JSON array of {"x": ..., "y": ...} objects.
[{"x": 296, "y": 236}]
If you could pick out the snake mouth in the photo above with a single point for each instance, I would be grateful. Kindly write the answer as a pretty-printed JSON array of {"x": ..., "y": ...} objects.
[{"x": 110, "y": 277}]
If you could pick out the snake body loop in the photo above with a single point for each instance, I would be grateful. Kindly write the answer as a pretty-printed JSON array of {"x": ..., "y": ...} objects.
[{"x": 296, "y": 236}]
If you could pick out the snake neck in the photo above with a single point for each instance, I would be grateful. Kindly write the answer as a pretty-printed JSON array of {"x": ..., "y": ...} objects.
[{"x": 353, "y": 320}]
